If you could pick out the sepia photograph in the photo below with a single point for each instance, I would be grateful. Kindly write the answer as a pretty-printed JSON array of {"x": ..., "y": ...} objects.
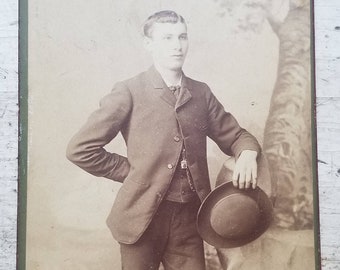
[{"x": 171, "y": 135}]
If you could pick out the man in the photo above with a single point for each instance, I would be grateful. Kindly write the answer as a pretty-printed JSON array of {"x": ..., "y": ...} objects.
[{"x": 165, "y": 174}]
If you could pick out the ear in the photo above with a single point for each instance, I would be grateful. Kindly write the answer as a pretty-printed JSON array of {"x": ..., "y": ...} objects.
[{"x": 147, "y": 42}]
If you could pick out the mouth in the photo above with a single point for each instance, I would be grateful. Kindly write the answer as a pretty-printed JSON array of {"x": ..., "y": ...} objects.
[{"x": 177, "y": 55}]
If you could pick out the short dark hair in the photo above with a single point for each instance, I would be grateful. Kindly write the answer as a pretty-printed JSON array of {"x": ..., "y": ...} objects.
[{"x": 164, "y": 16}]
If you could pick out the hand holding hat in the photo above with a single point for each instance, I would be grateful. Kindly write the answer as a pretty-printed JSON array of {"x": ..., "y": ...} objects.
[{"x": 245, "y": 171}]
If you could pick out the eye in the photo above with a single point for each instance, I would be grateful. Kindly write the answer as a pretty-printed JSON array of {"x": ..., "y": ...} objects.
[{"x": 183, "y": 37}]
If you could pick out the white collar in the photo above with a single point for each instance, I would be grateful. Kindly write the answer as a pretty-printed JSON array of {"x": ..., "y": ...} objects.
[{"x": 178, "y": 83}]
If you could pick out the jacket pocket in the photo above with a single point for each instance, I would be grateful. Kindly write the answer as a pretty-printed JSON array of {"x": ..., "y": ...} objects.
[{"x": 134, "y": 184}]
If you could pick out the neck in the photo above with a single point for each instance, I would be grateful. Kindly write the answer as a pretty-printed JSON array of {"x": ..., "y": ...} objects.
[{"x": 170, "y": 76}]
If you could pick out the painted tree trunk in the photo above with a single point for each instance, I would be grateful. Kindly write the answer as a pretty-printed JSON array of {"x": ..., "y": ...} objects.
[
  {"x": 287, "y": 140},
  {"x": 287, "y": 147}
]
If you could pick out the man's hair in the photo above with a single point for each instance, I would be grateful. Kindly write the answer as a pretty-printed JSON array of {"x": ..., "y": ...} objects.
[{"x": 164, "y": 16}]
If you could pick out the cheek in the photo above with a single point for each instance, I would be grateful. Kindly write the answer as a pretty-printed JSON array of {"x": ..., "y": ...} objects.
[
  {"x": 185, "y": 47},
  {"x": 160, "y": 52}
]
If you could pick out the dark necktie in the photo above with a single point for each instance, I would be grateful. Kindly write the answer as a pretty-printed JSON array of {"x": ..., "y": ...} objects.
[{"x": 175, "y": 90}]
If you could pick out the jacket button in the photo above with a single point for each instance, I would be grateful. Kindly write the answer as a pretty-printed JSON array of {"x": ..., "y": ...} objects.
[
  {"x": 176, "y": 139},
  {"x": 170, "y": 166}
]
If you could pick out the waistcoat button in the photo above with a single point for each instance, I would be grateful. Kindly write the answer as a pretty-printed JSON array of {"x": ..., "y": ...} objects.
[
  {"x": 170, "y": 166},
  {"x": 176, "y": 139}
]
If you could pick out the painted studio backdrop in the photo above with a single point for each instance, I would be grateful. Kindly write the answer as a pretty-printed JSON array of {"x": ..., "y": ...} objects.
[{"x": 255, "y": 56}]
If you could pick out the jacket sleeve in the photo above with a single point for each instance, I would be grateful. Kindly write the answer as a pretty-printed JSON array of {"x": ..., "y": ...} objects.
[
  {"x": 224, "y": 129},
  {"x": 86, "y": 148}
]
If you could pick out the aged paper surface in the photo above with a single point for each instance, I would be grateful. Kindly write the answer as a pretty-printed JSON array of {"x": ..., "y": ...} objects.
[{"x": 254, "y": 55}]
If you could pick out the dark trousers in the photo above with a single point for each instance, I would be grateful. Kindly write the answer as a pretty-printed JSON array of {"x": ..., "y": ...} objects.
[{"x": 171, "y": 238}]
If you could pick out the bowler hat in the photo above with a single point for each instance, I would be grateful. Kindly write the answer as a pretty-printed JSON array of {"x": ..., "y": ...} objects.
[{"x": 232, "y": 217}]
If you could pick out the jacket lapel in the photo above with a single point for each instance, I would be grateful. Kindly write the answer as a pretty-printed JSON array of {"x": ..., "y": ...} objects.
[
  {"x": 158, "y": 84},
  {"x": 168, "y": 97},
  {"x": 165, "y": 94},
  {"x": 184, "y": 95}
]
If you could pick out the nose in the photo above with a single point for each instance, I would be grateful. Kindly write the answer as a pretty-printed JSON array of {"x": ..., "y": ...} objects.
[{"x": 177, "y": 45}]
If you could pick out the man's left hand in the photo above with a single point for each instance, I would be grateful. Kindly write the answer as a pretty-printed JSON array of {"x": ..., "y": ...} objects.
[{"x": 245, "y": 172}]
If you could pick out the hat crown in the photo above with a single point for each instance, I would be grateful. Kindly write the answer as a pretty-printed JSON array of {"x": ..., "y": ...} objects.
[
  {"x": 235, "y": 216},
  {"x": 231, "y": 217}
]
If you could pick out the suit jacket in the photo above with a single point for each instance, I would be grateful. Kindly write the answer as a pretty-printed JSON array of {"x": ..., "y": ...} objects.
[{"x": 154, "y": 126}]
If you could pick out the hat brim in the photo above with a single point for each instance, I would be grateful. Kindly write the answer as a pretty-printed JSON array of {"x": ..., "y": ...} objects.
[{"x": 223, "y": 191}]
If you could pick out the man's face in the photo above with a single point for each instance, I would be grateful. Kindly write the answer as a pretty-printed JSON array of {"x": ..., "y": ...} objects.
[{"x": 168, "y": 45}]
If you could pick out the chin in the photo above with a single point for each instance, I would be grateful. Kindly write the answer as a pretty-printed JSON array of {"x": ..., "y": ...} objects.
[
  {"x": 177, "y": 66},
  {"x": 174, "y": 66}
]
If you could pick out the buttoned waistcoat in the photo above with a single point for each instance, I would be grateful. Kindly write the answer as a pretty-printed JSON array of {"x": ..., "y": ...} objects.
[{"x": 154, "y": 126}]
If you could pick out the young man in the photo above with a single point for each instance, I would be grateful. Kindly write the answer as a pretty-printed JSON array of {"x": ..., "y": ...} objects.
[{"x": 165, "y": 174}]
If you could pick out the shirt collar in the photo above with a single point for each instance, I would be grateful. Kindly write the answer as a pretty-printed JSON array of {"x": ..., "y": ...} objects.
[
  {"x": 158, "y": 82},
  {"x": 178, "y": 83}
]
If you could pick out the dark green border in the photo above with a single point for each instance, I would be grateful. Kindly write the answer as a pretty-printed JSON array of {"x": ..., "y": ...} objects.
[
  {"x": 23, "y": 128},
  {"x": 314, "y": 142},
  {"x": 23, "y": 125}
]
